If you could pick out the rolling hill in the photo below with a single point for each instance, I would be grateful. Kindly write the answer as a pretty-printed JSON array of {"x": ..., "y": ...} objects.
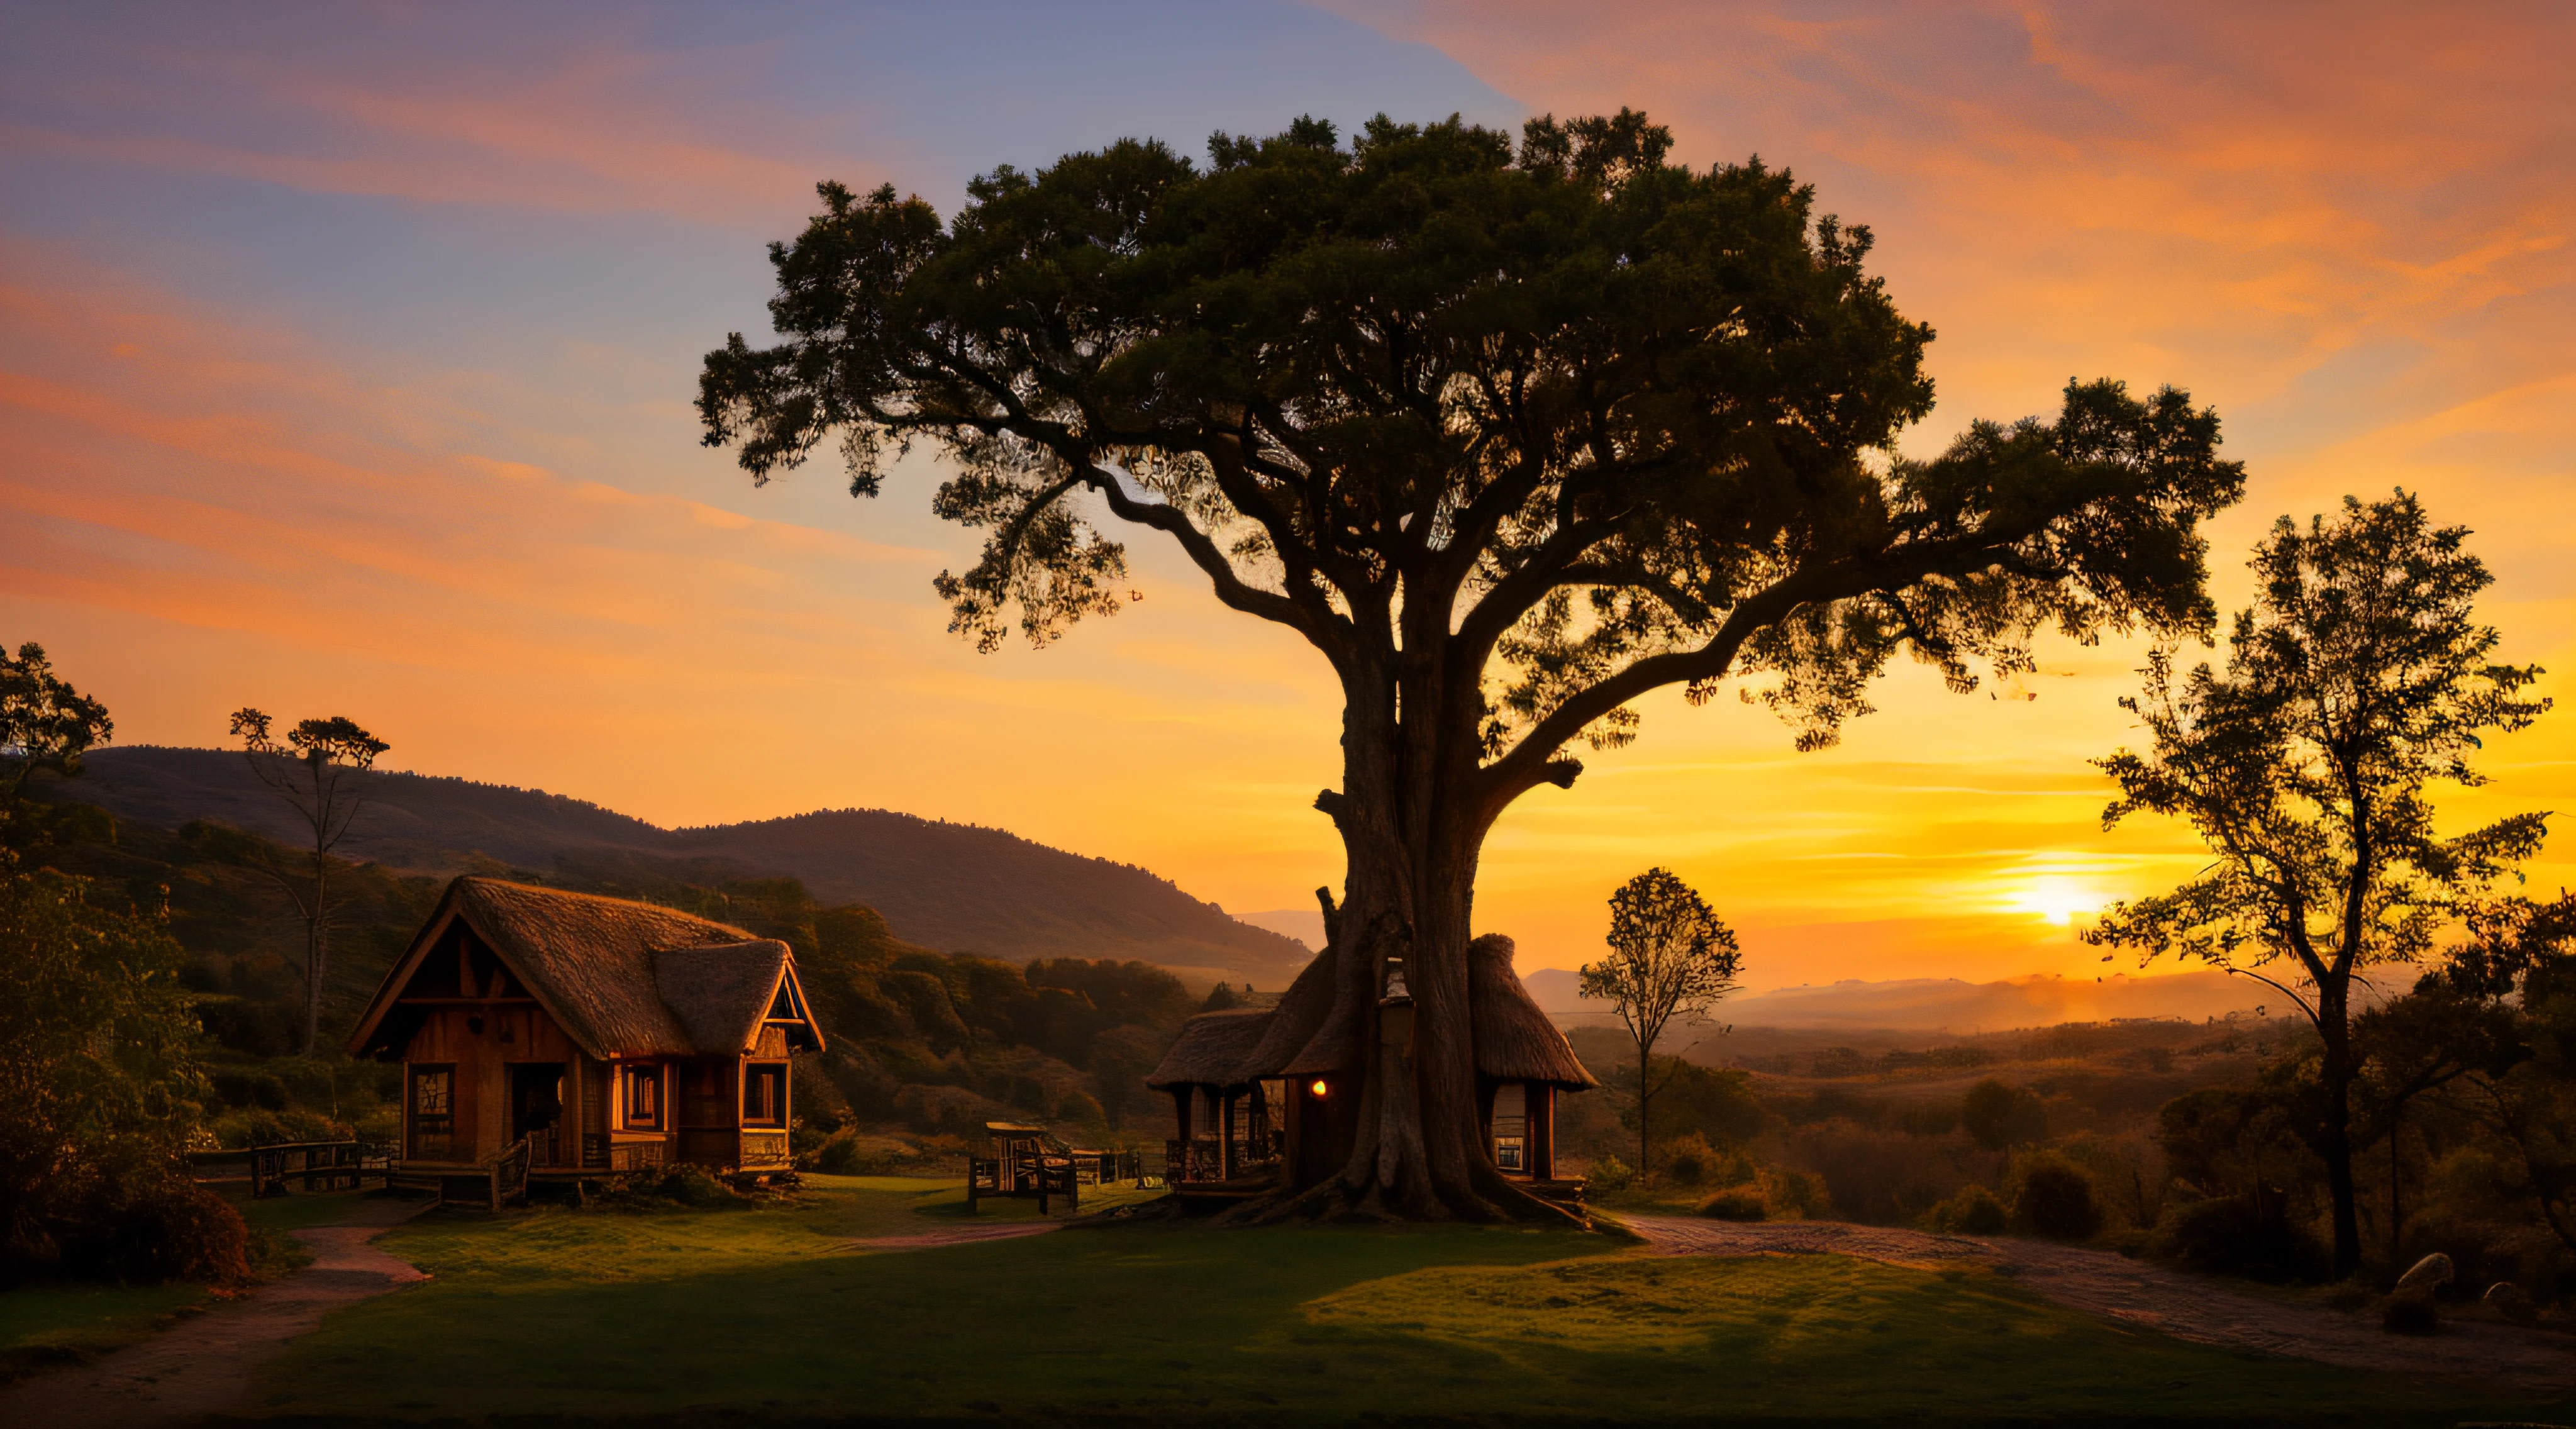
[{"x": 953, "y": 887}]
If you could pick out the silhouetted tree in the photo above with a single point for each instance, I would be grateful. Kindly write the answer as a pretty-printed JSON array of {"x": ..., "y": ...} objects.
[
  {"x": 1512, "y": 437},
  {"x": 310, "y": 772},
  {"x": 44, "y": 724},
  {"x": 2359, "y": 677},
  {"x": 1670, "y": 956}
]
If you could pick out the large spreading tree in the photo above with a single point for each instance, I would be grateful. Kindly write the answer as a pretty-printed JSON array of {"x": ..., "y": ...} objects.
[{"x": 1512, "y": 435}]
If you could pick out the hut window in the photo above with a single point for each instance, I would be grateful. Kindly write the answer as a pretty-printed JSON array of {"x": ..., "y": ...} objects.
[
  {"x": 764, "y": 1095},
  {"x": 640, "y": 1092}
]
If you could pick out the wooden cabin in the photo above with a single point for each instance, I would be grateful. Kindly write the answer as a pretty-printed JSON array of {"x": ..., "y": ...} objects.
[
  {"x": 1258, "y": 1095},
  {"x": 606, "y": 1036}
]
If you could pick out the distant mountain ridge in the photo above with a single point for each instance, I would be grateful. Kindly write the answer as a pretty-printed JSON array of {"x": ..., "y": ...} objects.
[
  {"x": 1947, "y": 1005},
  {"x": 953, "y": 887}
]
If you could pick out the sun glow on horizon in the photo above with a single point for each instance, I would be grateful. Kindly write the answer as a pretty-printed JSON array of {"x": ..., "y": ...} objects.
[{"x": 2057, "y": 898}]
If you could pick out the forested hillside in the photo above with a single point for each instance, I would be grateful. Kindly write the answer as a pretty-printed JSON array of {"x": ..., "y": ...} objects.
[
  {"x": 950, "y": 887},
  {"x": 929, "y": 1041}
]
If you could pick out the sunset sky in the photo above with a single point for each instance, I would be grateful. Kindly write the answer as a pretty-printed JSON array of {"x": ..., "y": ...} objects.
[{"x": 346, "y": 355}]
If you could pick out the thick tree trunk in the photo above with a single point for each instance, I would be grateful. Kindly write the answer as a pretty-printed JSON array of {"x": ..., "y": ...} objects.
[{"x": 1409, "y": 894}]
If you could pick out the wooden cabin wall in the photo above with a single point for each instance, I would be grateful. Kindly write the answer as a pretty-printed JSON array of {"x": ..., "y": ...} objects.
[
  {"x": 592, "y": 1123},
  {"x": 510, "y": 1032},
  {"x": 707, "y": 1100}
]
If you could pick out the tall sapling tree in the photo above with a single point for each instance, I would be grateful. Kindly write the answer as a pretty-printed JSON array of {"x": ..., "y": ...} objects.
[
  {"x": 310, "y": 771},
  {"x": 2358, "y": 679},
  {"x": 1512, "y": 436},
  {"x": 1670, "y": 956}
]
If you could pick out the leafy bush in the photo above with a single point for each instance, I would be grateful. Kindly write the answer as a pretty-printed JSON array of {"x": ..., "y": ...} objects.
[
  {"x": 1793, "y": 1195},
  {"x": 1609, "y": 1173},
  {"x": 1973, "y": 1211},
  {"x": 2250, "y": 1235},
  {"x": 164, "y": 1229},
  {"x": 2055, "y": 1200},
  {"x": 691, "y": 1186},
  {"x": 268, "y": 1128},
  {"x": 839, "y": 1157},
  {"x": 1737, "y": 1203},
  {"x": 1690, "y": 1160}
]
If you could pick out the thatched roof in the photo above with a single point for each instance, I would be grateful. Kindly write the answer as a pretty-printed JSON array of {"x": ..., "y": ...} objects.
[
  {"x": 1514, "y": 1040},
  {"x": 622, "y": 979},
  {"x": 1313, "y": 1031},
  {"x": 1214, "y": 1049},
  {"x": 721, "y": 991}
]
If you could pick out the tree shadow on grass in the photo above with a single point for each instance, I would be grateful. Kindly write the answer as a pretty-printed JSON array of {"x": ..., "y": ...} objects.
[{"x": 1293, "y": 1325}]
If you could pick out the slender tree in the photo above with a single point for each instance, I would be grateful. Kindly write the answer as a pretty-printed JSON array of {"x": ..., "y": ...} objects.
[
  {"x": 2358, "y": 679},
  {"x": 1511, "y": 436},
  {"x": 44, "y": 723},
  {"x": 310, "y": 771},
  {"x": 1670, "y": 956}
]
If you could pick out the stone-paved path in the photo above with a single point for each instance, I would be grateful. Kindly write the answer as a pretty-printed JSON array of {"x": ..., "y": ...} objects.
[
  {"x": 2150, "y": 1296},
  {"x": 210, "y": 1363}
]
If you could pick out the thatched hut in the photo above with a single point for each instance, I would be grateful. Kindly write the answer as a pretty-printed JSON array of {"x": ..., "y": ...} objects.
[
  {"x": 1227, "y": 1119},
  {"x": 600, "y": 1034},
  {"x": 1522, "y": 1062},
  {"x": 1262, "y": 1094}
]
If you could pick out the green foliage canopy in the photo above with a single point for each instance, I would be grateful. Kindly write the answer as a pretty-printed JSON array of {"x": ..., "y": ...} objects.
[{"x": 1562, "y": 423}]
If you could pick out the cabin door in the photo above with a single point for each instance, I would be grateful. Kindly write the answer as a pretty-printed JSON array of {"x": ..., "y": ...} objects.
[{"x": 536, "y": 1109}]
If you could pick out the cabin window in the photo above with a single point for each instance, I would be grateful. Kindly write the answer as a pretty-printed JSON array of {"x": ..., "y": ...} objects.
[
  {"x": 433, "y": 1109},
  {"x": 639, "y": 1090},
  {"x": 764, "y": 1095}
]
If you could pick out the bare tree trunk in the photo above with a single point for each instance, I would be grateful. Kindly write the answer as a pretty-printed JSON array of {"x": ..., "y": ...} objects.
[
  {"x": 2338, "y": 1073},
  {"x": 317, "y": 944},
  {"x": 1645, "y": 1147}
]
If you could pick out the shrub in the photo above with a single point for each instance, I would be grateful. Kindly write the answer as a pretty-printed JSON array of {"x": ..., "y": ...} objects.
[
  {"x": 268, "y": 1128},
  {"x": 2250, "y": 1235},
  {"x": 1973, "y": 1211},
  {"x": 1610, "y": 1174},
  {"x": 1793, "y": 1195},
  {"x": 1737, "y": 1203},
  {"x": 2056, "y": 1200},
  {"x": 165, "y": 1229},
  {"x": 1691, "y": 1160},
  {"x": 692, "y": 1186},
  {"x": 839, "y": 1157}
]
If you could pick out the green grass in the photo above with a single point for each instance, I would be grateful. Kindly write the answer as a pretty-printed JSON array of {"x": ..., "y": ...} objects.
[
  {"x": 768, "y": 1314},
  {"x": 50, "y": 1322}
]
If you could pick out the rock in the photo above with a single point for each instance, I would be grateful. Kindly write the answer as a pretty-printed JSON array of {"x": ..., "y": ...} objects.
[
  {"x": 2512, "y": 1301},
  {"x": 2430, "y": 1273}
]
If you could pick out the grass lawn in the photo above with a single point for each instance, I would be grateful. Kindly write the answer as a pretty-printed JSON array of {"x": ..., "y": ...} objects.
[{"x": 770, "y": 1314}]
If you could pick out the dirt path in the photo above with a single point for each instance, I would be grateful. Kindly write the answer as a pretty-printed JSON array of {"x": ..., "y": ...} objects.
[
  {"x": 208, "y": 1364},
  {"x": 2184, "y": 1306}
]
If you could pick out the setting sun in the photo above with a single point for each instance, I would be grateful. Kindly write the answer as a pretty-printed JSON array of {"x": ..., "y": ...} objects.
[{"x": 2056, "y": 899}]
